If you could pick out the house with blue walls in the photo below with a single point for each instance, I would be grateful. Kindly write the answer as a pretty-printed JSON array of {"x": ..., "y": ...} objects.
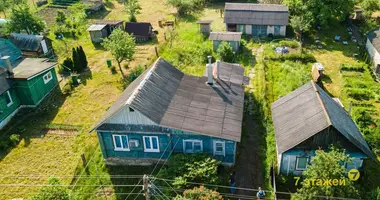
[
  {"x": 308, "y": 119},
  {"x": 165, "y": 111}
]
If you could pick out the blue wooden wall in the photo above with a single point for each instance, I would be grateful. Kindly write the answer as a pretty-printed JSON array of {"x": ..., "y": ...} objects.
[
  {"x": 288, "y": 160},
  {"x": 175, "y": 140}
]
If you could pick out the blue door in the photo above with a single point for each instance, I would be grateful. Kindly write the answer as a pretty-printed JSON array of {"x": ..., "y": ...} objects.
[
  {"x": 259, "y": 30},
  {"x": 277, "y": 30}
]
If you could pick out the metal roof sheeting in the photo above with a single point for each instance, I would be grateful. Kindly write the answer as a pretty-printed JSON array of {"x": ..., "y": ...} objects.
[
  {"x": 307, "y": 111},
  {"x": 30, "y": 67},
  {"x": 8, "y": 49},
  {"x": 176, "y": 100},
  {"x": 96, "y": 27},
  {"x": 225, "y": 36},
  {"x": 374, "y": 38},
  {"x": 256, "y": 14},
  {"x": 26, "y": 42}
]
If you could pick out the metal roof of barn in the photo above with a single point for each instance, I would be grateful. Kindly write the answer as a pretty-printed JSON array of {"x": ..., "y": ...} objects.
[
  {"x": 307, "y": 111},
  {"x": 96, "y": 27},
  {"x": 256, "y": 14},
  {"x": 225, "y": 36},
  {"x": 374, "y": 38},
  {"x": 26, "y": 42},
  {"x": 184, "y": 102}
]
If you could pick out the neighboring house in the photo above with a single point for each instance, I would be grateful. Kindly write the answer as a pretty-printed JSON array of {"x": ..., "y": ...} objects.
[
  {"x": 165, "y": 111},
  {"x": 103, "y": 28},
  {"x": 308, "y": 119},
  {"x": 373, "y": 47},
  {"x": 233, "y": 38},
  {"x": 256, "y": 19},
  {"x": 31, "y": 45},
  {"x": 142, "y": 31},
  {"x": 24, "y": 83}
]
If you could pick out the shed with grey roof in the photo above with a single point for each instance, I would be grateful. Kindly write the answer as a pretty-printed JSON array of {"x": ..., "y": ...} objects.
[
  {"x": 308, "y": 119},
  {"x": 204, "y": 26},
  {"x": 31, "y": 45},
  {"x": 232, "y": 38},
  {"x": 256, "y": 19},
  {"x": 166, "y": 103},
  {"x": 373, "y": 48},
  {"x": 98, "y": 32}
]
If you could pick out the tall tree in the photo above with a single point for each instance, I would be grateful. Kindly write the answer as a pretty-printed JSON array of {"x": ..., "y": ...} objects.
[
  {"x": 185, "y": 7},
  {"x": 4, "y": 6},
  {"x": 327, "y": 165},
  {"x": 321, "y": 12},
  {"x": 84, "y": 58},
  {"x": 133, "y": 7},
  {"x": 22, "y": 19},
  {"x": 122, "y": 47},
  {"x": 76, "y": 60},
  {"x": 369, "y": 6},
  {"x": 300, "y": 25}
]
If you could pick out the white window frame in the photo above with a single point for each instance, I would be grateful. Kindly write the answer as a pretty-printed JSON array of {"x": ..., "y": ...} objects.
[
  {"x": 192, "y": 141},
  {"x": 224, "y": 147},
  {"x": 10, "y": 98},
  {"x": 46, "y": 77},
  {"x": 151, "y": 144},
  {"x": 121, "y": 142},
  {"x": 307, "y": 161}
]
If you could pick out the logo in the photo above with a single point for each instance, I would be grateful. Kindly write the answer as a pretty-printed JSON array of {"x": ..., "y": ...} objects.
[{"x": 353, "y": 174}]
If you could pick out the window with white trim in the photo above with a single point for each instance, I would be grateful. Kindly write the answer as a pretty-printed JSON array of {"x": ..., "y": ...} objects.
[
  {"x": 120, "y": 142},
  {"x": 192, "y": 146},
  {"x": 8, "y": 98},
  {"x": 47, "y": 77},
  {"x": 151, "y": 144},
  {"x": 219, "y": 148},
  {"x": 301, "y": 163}
]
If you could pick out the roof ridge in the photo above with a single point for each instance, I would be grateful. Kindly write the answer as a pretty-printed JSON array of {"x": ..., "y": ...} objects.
[
  {"x": 321, "y": 102},
  {"x": 137, "y": 89}
]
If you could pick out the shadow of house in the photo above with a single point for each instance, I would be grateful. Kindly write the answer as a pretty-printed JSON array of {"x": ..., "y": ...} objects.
[{"x": 32, "y": 45}]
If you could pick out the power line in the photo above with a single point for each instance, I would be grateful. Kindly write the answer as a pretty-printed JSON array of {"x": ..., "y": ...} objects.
[{"x": 84, "y": 169}]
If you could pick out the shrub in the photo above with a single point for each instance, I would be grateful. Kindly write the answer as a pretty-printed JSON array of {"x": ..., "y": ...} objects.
[
  {"x": 352, "y": 68},
  {"x": 68, "y": 66},
  {"x": 52, "y": 192},
  {"x": 360, "y": 94},
  {"x": 135, "y": 72},
  {"x": 68, "y": 87},
  {"x": 14, "y": 139},
  {"x": 60, "y": 18},
  {"x": 4, "y": 144},
  {"x": 289, "y": 43},
  {"x": 113, "y": 69},
  {"x": 225, "y": 52},
  {"x": 200, "y": 193}
]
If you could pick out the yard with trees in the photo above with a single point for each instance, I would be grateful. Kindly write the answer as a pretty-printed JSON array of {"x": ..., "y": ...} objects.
[{"x": 55, "y": 135}]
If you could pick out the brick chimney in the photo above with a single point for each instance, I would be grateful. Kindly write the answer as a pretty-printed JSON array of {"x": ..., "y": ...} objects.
[
  {"x": 7, "y": 63},
  {"x": 209, "y": 68}
]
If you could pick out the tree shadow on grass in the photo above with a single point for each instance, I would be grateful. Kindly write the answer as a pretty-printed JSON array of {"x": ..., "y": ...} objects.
[{"x": 85, "y": 75}]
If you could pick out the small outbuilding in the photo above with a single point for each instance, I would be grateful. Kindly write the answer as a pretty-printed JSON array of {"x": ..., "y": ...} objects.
[
  {"x": 31, "y": 45},
  {"x": 205, "y": 26},
  {"x": 111, "y": 25},
  {"x": 98, "y": 32},
  {"x": 233, "y": 38},
  {"x": 142, "y": 31},
  {"x": 373, "y": 48},
  {"x": 317, "y": 71}
]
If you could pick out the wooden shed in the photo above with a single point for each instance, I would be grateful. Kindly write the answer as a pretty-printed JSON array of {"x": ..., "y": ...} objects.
[
  {"x": 98, "y": 32},
  {"x": 31, "y": 45},
  {"x": 142, "y": 31},
  {"x": 233, "y": 38},
  {"x": 204, "y": 26}
]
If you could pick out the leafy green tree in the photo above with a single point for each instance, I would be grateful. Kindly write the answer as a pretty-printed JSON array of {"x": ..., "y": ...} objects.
[
  {"x": 4, "y": 6},
  {"x": 185, "y": 7},
  {"x": 22, "y": 19},
  {"x": 60, "y": 18},
  {"x": 300, "y": 25},
  {"x": 321, "y": 12},
  {"x": 133, "y": 7},
  {"x": 53, "y": 192},
  {"x": 122, "y": 47},
  {"x": 199, "y": 193},
  {"x": 225, "y": 52},
  {"x": 327, "y": 165},
  {"x": 369, "y": 6}
]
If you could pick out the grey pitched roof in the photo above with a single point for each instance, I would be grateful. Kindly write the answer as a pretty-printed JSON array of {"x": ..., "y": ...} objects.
[
  {"x": 374, "y": 37},
  {"x": 176, "y": 100},
  {"x": 96, "y": 27},
  {"x": 30, "y": 67},
  {"x": 26, "y": 42},
  {"x": 230, "y": 72},
  {"x": 225, "y": 36},
  {"x": 307, "y": 111},
  {"x": 5, "y": 83},
  {"x": 257, "y": 14}
]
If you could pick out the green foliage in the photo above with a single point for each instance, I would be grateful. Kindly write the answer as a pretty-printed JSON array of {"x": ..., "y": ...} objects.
[
  {"x": 76, "y": 60},
  {"x": 185, "y": 7},
  {"x": 133, "y": 7},
  {"x": 14, "y": 139},
  {"x": 199, "y": 193},
  {"x": 300, "y": 24},
  {"x": 346, "y": 67},
  {"x": 52, "y": 192},
  {"x": 4, "y": 6},
  {"x": 68, "y": 88},
  {"x": 60, "y": 18},
  {"x": 225, "y": 52},
  {"x": 359, "y": 94},
  {"x": 374, "y": 194},
  {"x": 122, "y": 46},
  {"x": 198, "y": 168},
  {"x": 22, "y": 19},
  {"x": 369, "y": 6},
  {"x": 113, "y": 69},
  {"x": 289, "y": 43},
  {"x": 327, "y": 165},
  {"x": 135, "y": 72},
  {"x": 68, "y": 66},
  {"x": 72, "y": 25},
  {"x": 7, "y": 142}
]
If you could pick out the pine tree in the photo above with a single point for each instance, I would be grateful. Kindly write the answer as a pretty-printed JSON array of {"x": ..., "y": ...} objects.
[
  {"x": 75, "y": 60},
  {"x": 80, "y": 60},
  {"x": 83, "y": 55}
]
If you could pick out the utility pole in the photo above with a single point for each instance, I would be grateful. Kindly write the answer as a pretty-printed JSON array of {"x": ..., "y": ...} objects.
[{"x": 146, "y": 187}]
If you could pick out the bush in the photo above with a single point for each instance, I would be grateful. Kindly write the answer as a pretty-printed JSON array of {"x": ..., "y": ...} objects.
[
  {"x": 4, "y": 144},
  {"x": 113, "y": 69},
  {"x": 200, "y": 193},
  {"x": 345, "y": 67},
  {"x": 225, "y": 52},
  {"x": 360, "y": 94},
  {"x": 67, "y": 66},
  {"x": 14, "y": 139},
  {"x": 135, "y": 72},
  {"x": 68, "y": 87},
  {"x": 52, "y": 192},
  {"x": 289, "y": 43}
]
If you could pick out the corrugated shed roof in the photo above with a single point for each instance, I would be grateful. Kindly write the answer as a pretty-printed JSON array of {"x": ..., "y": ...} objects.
[
  {"x": 138, "y": 28},
  {"x": 225, "y": 36},
  {"x": 30, "y": 67},
  {"x": 5, "y": 83},
  {"x": 26, "y": 42},
  {"x": 307, "y": 111},
  {"x": 109, "y": 22},
  {"x": 8, "y": 49},
  {"x": 173, "y": 99},
  {"x": 374, "y": 37},
  {"x": 256, "y": 14},
  {"x": 96, "y": 27}
]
